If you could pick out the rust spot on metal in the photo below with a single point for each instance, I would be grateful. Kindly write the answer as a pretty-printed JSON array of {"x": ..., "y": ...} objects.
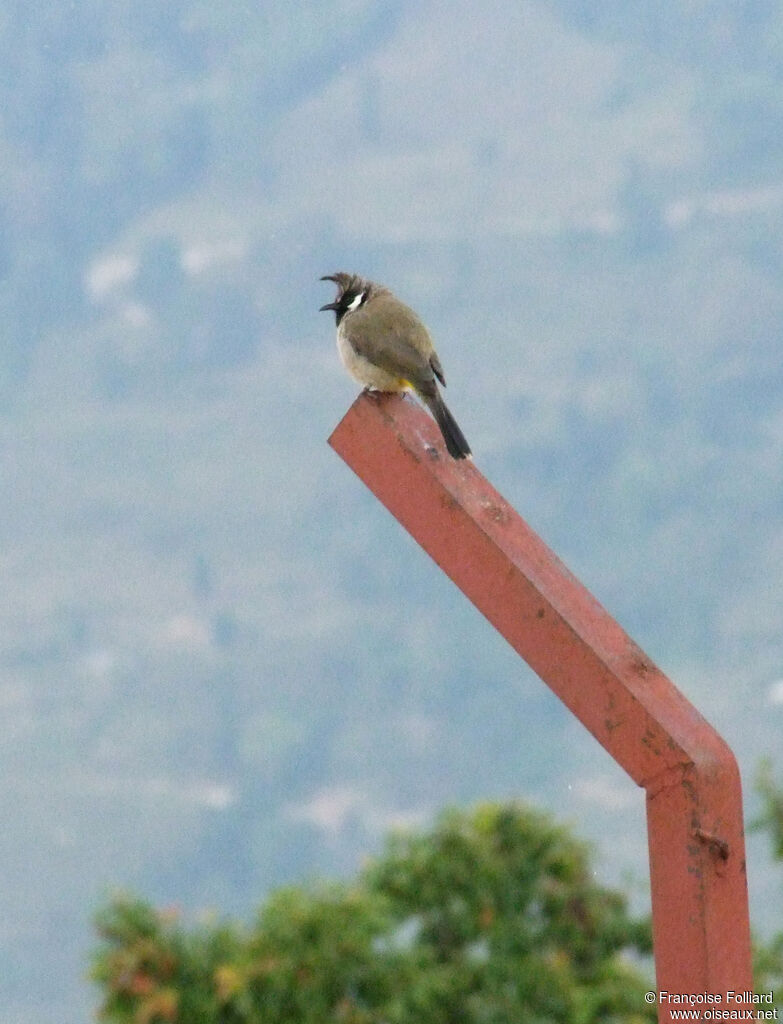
[
  {"x": 718, "y": 847},
  {"x": 652, "y": 740},
  {"x": 663, "y": 780},
  {"x": 640, "y": 664},
  {"x": 496, "y": 513}
]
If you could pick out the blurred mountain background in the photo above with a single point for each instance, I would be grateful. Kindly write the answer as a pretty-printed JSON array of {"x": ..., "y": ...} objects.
[{"x": 223, "y": 665}]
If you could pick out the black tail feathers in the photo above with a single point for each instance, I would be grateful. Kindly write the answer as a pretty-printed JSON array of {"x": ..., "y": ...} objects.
[{"x": 456, "y": 445}]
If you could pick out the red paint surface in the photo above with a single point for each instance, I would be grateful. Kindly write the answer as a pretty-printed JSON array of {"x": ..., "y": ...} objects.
[{"x": 699, "y": 896}]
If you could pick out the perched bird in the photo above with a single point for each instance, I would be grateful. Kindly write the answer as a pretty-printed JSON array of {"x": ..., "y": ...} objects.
[{"x": 385, "y": 346}]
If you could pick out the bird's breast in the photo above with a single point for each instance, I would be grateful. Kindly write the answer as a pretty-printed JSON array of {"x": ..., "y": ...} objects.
[{"x": 363, "y": 370}]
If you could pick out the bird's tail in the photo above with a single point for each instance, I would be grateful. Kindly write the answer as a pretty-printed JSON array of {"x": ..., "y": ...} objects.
[{"x": 457, "y": 446}]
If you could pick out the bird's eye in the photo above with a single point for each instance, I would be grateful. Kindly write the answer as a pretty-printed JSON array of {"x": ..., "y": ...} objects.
[{"x": 355, "y": 302}]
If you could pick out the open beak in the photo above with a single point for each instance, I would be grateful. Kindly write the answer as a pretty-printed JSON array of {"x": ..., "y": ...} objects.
[{"x": 329, "y": 305}]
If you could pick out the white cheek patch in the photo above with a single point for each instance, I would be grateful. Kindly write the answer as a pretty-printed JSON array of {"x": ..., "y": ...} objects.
[{"x": 355, "y": 303}]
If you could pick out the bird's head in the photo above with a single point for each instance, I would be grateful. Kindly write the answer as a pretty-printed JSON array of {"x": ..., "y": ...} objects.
[{"x": 352, "y": 292}]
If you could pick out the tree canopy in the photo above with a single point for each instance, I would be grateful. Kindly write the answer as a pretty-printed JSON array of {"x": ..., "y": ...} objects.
[{"x": 493, "y": 915}]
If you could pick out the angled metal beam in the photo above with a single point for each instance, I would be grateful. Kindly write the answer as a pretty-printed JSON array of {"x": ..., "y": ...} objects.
[{"x": 701, "y": 929}]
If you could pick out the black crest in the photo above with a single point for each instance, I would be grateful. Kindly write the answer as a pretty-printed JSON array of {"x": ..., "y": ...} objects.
[{"x": 352, "y": 292}]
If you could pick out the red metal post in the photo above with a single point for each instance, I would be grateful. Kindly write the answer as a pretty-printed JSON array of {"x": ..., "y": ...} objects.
[{"x": 701, "y": 927}]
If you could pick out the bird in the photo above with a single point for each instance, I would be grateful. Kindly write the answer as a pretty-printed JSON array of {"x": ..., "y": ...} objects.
[{"x": 385, "y": 347}]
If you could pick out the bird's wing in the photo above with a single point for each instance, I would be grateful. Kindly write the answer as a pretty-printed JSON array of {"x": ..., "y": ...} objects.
[
  {"x": 401, "y": 345},
  {"x": 437, "y": 369}
]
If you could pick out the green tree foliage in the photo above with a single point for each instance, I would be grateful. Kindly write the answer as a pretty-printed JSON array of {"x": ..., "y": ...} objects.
[
  {"x": 492, "y": 916},
  {"x": 771, "y": 817},
  {"x": 768, "y": 957}
]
